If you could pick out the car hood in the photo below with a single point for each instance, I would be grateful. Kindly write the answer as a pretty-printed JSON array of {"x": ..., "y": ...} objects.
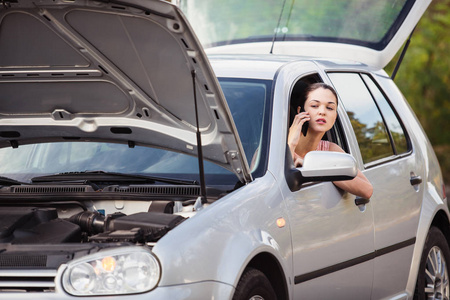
[
  {"x": 116, "y": 71},
  {"x": 364, "y": 31}
]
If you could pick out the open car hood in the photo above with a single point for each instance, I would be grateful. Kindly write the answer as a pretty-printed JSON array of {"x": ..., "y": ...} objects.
[
  {"x": 116, "y": 71},
  {"x": 364, "y": 31}
]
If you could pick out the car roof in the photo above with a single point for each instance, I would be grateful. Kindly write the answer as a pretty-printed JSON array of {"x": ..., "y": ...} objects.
[{"x": 265, "y": 66}]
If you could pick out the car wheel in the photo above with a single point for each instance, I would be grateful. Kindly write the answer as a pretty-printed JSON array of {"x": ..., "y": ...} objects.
[
  {"x": 433, "y": 280},
  {"x": 254, "y": 285}
]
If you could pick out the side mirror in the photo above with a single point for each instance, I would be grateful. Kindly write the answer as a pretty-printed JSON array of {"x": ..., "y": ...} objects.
[
  {"x": 328, "y": 166},
  {"x": 322, "y": 166}
]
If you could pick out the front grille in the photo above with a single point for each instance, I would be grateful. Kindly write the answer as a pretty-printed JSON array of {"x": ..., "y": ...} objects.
[
  {"x": 23, "y": 261},
  {"x": 27, "y": 280}
]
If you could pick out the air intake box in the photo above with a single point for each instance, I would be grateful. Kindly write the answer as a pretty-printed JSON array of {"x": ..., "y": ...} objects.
[{"x": 150, "y": 225}]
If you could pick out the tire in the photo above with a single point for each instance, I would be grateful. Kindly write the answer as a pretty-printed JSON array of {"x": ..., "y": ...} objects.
[
  {"x": 254, "y": 285},
  {"x": 433, "y": 280}
]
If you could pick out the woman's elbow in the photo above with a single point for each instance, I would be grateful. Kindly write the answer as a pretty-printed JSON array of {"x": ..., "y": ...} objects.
[
  {"x": 365, "y": 187},
  {"x": 368, "y": 191}
]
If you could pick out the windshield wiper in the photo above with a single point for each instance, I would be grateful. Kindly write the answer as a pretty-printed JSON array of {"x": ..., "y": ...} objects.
[
  {"x": 9, "y": 181},
  {"x": 96, "y": 176}
]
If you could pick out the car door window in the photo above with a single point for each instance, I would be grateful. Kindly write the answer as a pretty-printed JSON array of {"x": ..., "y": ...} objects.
[
  {"x": 367, "y": 122},
  {"x": 396, "y": 130}
]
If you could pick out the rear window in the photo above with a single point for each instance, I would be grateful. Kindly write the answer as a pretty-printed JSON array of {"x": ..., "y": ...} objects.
[{"x": 361, "y": 22}]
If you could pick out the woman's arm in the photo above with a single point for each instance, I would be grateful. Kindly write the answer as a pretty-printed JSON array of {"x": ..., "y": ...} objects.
[{"x": 359, "y": 186}]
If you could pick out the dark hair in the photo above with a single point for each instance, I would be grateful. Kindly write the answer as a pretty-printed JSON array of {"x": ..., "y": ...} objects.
[
  {"x": 317, "y": 85},
  {"x": 300, "y": 97},
  {"x": 300, "y": 101}
]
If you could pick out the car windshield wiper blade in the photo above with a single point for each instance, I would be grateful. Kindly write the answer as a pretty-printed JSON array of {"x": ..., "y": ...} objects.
[
  {"x": 96, "y": 176},
  {"x": 9, "y": 181}
]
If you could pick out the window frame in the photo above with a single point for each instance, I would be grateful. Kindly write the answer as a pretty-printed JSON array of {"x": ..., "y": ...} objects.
[
  {"x": 395, "y": 154},
  {"x": 407, "y": 138},
  {"x": 261, "y": 169}
]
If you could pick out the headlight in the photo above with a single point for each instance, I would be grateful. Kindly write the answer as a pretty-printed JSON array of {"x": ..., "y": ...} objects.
[{"x": 125, "y": 270}]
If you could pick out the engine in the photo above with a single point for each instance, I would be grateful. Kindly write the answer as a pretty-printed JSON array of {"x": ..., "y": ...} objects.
[{"x": 37, "y": 225}]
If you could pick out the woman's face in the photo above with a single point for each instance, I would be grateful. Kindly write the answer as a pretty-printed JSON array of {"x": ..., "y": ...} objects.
[{"x": 321, "y": 104}]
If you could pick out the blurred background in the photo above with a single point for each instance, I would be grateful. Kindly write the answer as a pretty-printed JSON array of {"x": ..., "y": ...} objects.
[{"x": 424, "y": 78}]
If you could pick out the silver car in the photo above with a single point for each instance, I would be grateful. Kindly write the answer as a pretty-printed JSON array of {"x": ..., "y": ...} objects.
[{"x": 136, "y": 166}]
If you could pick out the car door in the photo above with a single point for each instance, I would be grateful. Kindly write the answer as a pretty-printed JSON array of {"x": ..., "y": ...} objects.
[
  {"x": 332, "y": 241},
  {"x": 392, "y": 167}
]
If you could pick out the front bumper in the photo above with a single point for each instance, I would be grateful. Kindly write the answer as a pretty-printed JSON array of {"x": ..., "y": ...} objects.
[{"x": 193, "y": 291}]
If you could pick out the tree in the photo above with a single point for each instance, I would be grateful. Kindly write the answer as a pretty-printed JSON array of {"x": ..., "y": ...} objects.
[{"x": 424, "y": 78}]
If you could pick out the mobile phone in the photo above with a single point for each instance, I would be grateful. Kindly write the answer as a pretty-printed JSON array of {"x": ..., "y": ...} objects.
[{"x": 305, "y": 125}]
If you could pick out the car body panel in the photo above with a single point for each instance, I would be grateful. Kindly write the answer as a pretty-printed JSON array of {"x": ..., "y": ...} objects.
[
  {"x": 234, "y": 213},
  {"x": 337, "y": 226}
]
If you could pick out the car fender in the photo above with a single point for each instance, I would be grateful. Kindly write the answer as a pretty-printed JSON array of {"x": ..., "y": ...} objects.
[
  {"x": 218, "y": 242},
  {"x": 432, "y": 204}
]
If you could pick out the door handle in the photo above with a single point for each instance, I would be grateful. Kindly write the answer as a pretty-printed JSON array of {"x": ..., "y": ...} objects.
[
  {"x": 361, "y": 201},
  {"x": 415, "y": 180}
]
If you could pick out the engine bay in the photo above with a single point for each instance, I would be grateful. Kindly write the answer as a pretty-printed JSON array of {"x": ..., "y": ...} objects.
[
  {"x": 40, "y": 231},
  {"x": 41, "y": 225}
]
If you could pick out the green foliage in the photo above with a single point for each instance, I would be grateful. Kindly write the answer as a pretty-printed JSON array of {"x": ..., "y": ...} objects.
[
  {"x": 373, "y": 142},
  {"x": 424, "y": 76},
  {"x": 442, "y": 152}
]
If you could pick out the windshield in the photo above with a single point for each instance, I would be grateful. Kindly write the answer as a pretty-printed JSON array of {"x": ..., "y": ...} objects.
[
  {"x": 361, "y": 22},
  {"x": 247, "y": 100}
]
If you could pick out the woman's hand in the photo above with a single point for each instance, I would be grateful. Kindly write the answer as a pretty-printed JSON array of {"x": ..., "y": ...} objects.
[
  {"x": 298, "y": 160},
  {"x": 295, "y": 131}
]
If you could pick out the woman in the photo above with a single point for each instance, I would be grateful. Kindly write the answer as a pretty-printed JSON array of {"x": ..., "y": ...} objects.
[{"x": 320, "y": 111}]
